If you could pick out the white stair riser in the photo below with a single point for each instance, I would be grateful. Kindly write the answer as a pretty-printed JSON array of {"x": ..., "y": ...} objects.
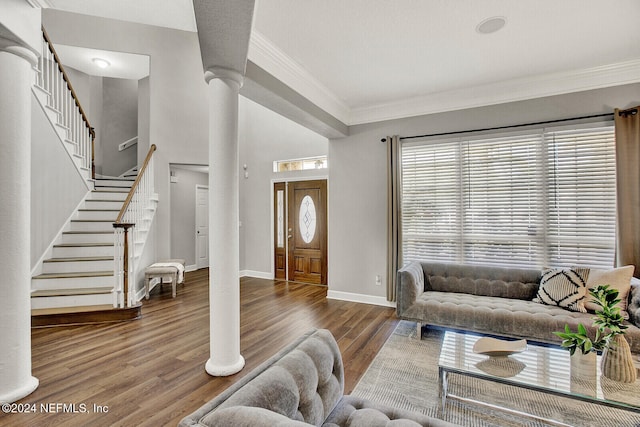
[
  {"x": 71, "y": 301},
  {"x": 73, "y": 283},
  {"x": 100, "y": 204},
  {"x": 108, "y": 195},
  {"x": 78, "y": 251},
  {"x": 114, "y": 183},
  {"x": 88, "y": 238},
  {"x": 102, "y": 215},
  {"x": 91, "y": 226},
  {"x": 84, "y": 266}
]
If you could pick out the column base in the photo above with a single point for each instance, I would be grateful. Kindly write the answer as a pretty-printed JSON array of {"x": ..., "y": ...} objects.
[
  {"x": 224, "y": 370},
  {"x": 21, "y": 392}
]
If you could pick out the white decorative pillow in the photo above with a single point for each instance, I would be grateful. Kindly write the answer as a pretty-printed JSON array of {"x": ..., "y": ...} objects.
[
  {"x": 617, "y": 278},
  {"x": 564, "y": 287}
]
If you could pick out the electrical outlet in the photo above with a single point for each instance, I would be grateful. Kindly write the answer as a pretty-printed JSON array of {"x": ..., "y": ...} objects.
[{"x": 378, "y": 280}]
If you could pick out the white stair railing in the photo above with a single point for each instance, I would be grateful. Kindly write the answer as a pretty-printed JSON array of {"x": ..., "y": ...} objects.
[
  {"x": 52, "y": 79},
  {"x": 130, "y": 231}
]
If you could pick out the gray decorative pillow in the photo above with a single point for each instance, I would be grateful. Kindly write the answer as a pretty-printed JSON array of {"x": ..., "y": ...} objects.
[{"x": 564, "y": 287}]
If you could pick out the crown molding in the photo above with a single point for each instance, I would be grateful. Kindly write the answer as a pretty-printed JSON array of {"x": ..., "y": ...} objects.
[
  {"x": 502, "y": 92},
  {"x": 42, "y": 4},
  {"x": 269, "y": 57}
]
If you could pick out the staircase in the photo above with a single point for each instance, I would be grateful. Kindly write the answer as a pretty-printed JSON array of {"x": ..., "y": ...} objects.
[
  {"x": 79, "y": 276},
  {"x": 90, "y": 273}
]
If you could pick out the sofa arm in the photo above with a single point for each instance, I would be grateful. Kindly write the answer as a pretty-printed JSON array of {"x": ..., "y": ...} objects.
[
  {"x": 410, "y": 284},
  {"x": 634, "y": 302}
]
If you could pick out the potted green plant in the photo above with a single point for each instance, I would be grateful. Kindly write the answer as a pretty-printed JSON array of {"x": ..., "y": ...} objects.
[{"x": 617, "y": 362}]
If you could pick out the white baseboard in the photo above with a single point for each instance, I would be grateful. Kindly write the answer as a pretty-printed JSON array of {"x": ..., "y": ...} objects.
[
  {"x": 256, "y": 274},
  {"x": 362, "y": 298},
  {"x": 190, "y": 268}
]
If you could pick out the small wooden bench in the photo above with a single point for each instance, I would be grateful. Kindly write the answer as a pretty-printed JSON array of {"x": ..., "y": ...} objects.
[{"x": 160, "y": 271}]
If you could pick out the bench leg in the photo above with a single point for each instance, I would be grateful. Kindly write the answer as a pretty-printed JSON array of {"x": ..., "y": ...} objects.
[
  {"x": 146, "y": 287},
  {"x": 419, "y": 331},
  {"x": 174, "y": 284}
]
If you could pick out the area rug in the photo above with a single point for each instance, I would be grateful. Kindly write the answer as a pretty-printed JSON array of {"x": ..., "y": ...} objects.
[{"x": 404, "y": 375}]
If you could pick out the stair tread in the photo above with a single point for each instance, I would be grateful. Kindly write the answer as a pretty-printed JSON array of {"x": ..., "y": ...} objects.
[
  {"x": 69, "y": 292},
  {"x": 74, "y": 309},
  {"x": 81, "y": 245},
  {"x": 74, "y": 274},
  {"x": 87, "y": 232},
  {"x": 92, "y": 220},
  {"x": 98, "y": 210},
  {"x": 75, "y": 259},
  {"x": 98, "y": 191}
]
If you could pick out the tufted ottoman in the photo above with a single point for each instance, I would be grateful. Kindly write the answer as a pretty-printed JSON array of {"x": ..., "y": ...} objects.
[{"x": 301, "y": 385}]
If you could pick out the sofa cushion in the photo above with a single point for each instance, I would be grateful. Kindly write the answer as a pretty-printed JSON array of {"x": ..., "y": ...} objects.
[
  {"x": 357, "y": 412},
  {"x": 564, "y": 287},
  {"x": 502, "y": 316},
  {"x": 517, "y": 283}
]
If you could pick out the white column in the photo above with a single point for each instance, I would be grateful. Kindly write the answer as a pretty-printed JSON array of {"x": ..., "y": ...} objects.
[
  {"x": 16, "y": 78},
  {"x": 224, "y": 252}
]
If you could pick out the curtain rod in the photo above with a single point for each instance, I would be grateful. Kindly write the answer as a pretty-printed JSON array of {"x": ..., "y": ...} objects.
[{"x": 505, "y": 127}]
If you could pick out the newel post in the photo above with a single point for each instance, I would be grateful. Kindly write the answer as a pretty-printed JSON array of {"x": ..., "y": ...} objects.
[{"x": 125, "y": 259}]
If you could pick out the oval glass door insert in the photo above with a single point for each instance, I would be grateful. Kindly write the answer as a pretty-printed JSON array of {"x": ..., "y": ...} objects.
[{"x": 307, "y": 219}]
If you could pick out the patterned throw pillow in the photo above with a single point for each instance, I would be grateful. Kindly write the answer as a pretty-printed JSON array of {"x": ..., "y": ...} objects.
[{"x": 564, "y": 287}]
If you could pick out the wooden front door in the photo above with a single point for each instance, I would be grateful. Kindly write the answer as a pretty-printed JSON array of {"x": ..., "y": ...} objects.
[
  {"x": 300, "y": 231},
  {"x": 307, "y": 231}
]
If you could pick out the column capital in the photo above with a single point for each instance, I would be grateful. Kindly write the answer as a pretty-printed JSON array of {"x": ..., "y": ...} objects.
[
  {"x": 19, "y": 49},
  {"x": 224, "y": 74}
]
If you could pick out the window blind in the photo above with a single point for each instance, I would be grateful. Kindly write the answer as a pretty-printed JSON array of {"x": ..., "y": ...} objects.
[{"x": 544, "y": 198}]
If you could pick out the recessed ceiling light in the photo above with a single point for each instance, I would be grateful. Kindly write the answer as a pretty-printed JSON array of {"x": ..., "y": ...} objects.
[
  {"x": 102, "y": 63},
  {"x": 491, "y": 25}
]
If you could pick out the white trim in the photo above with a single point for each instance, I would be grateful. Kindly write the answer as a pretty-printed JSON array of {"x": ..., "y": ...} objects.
[
  {"x": 503, "y": 92},
  {"x": 268, "y": 56},
  {"x": 256, "y": 274},
  {"x": 42, "y": 4},
  {"x": 361, "y": 298},
  {"x": 190, "y": 268},
  {"x": 88, "y": 181},
  {"x": 37, "y": 268}
]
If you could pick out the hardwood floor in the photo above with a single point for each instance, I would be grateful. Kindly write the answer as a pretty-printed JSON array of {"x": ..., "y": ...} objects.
[{"x": 150, "y": 372}]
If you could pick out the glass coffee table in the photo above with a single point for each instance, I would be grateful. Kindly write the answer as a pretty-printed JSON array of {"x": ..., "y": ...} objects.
[{"x": 541, "y": 368}]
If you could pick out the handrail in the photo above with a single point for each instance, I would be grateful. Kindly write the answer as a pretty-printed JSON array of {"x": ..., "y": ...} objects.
[
  {"x": 66, "y": 79},
  {"x": 132, "y": 220},
  {"x": 127, "y": 201},
  {"x": 71, "y": 115}
]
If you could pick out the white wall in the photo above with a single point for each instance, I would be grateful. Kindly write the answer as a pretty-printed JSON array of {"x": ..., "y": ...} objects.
[
  {"x": 56, "y": 186},
  {"x": 357, "y": 185},
  {"x": 119, "y": 124},
  {"x": 266, "y": 136}
]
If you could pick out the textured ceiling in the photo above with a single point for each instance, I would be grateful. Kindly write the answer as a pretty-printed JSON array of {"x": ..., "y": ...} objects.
[{"x": 369, "y": 60}]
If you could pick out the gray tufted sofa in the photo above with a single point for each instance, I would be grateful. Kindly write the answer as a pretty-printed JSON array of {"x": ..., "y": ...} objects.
[
  {"x": 302, "y": 384},
  {"x": 492, "y": 300}
]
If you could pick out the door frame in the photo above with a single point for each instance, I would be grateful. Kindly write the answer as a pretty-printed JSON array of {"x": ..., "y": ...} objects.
[
  {"x": 272, "y": 208},
  {"x": 195, "y": 231}
]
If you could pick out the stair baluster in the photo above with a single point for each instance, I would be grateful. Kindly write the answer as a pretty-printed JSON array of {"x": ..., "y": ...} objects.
[
  {"x": 52, "y": 78},
  {"x": 129, "y": 228}
]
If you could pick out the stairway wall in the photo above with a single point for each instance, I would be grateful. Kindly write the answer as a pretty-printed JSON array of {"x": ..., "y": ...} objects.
[{"x": 56, "y": 186}]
